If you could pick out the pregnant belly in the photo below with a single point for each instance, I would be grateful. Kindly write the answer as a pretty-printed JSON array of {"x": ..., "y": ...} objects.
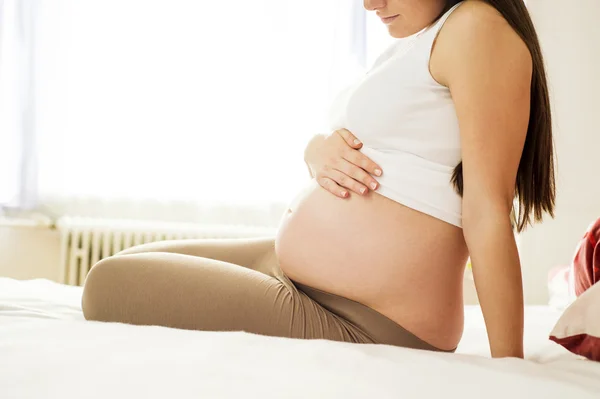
[{"x": 400, "y": 262}]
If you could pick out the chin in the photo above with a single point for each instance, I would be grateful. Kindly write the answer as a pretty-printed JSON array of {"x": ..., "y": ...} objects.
[{"x": 399, "y": 32}]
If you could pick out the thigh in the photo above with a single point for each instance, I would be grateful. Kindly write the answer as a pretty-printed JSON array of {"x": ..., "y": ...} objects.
[
  {"x": 254, "y": 253},
  {"x": 189, "y": 292}
]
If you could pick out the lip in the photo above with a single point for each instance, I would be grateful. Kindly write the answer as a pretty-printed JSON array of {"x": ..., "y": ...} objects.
[{"x": 388, "y": 20}]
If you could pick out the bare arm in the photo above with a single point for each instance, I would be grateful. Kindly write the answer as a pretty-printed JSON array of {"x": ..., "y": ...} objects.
[
  {"x": 488, "y": 70},
  {"x": 314, "y": 143},
  {"x": 338, "y": 166}
]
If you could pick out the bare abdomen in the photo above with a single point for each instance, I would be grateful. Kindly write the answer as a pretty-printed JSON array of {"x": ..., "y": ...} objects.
[{"x": 400, "y": 262}]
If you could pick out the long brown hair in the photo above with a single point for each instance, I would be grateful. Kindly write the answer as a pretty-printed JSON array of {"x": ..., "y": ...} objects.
[{"x": 535, "y": 187}]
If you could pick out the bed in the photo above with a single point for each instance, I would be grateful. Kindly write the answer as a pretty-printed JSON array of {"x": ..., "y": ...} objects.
[{"x": 47, "y": 350}]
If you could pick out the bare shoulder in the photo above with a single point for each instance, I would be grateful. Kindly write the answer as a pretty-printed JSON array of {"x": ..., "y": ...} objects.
[
  {"x": 477, "y": 32},
  {"x": 476, "y": 13},
  {"x": 478, "y": 21}
]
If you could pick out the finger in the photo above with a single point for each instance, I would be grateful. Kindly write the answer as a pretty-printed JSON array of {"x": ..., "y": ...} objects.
[
  {"x": 358, "y": 174},
  {"x": 350, "y": 139},
  {"x": 331, "y": 186},
  {"x": 361, "y": 160},
  {"x": 348, "y": 182}
]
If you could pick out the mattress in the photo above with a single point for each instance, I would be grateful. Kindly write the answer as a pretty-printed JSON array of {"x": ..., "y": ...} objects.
[{"x": 47, "y": 350}]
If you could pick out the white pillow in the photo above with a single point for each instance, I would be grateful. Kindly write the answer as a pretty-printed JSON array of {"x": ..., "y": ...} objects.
[{"x": 578, "y": 329}]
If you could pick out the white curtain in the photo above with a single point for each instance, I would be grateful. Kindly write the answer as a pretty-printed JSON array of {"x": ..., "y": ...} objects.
[
  {"x": 174, "y": 109},
  {"x": 17, "y": 147}
]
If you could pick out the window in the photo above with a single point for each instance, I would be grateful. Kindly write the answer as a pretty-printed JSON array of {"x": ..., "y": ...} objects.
[{"x": 177, "y": 105}]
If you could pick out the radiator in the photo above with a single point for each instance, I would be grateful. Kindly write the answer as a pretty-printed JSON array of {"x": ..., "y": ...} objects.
[{"x": 85, "y": 241}]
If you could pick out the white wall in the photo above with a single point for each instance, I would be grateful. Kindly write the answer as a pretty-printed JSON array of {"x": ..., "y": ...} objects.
[
  {"x": 570, "y": 36},
  {"x": 29, "y": 252}
]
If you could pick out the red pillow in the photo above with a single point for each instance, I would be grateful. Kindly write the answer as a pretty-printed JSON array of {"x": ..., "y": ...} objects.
[
  {"x": 586, "y": 263},
  {"x": 578, "y": 329}
]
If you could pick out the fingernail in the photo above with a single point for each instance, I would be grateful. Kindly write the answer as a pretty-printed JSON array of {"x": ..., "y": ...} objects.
[
  {"x": 377, "y": 172},
  {"x": 363, "y": 190},
  {"x": 344, "y": 193},
  {"x": 357, "y": 142},
  {"x": 373, "y": 186}
]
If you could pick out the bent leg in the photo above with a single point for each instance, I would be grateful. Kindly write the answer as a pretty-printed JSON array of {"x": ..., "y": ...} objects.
[
  {"x": 253, "y": 253},
  {"x": 190, "y": 292}
]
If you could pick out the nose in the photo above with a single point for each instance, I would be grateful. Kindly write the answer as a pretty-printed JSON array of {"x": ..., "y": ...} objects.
[{"x": 374, "y": 5}]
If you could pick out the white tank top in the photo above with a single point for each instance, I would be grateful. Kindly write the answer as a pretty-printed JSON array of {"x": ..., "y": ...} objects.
[{"x": 408, "y": 125}]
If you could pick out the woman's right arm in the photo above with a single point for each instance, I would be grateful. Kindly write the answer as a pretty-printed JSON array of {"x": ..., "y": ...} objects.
[{"x": 338, "y": 166}]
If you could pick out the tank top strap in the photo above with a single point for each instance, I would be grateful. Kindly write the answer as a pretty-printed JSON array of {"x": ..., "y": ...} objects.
[
  {"x": 431, "y": 33},
  {"x": 437, "y": 26}
]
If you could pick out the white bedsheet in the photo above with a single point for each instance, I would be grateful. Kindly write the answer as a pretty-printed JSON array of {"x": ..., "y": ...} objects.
[{"x": 47, "y": 350}]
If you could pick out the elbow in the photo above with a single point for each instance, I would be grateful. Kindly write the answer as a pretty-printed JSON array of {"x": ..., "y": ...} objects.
[{"x": 480, "y": 217}]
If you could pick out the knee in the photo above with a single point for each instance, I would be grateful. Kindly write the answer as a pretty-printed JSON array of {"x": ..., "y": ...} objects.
[
  {"x": 99, "y": 287},
  {"x": 136, "y": 249}
]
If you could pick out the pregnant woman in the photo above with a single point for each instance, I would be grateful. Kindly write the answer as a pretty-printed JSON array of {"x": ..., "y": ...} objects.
[{"x": 436, "y": 155}]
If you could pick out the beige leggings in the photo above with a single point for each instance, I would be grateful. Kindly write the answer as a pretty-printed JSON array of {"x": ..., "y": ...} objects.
[{"x": 227, "y": 285}]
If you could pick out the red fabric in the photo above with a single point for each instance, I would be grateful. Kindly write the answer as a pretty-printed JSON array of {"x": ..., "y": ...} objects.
[
  {"x": 582, "y": 344},
  {"x": 586, "y": 263},
  {"x": 586, "y": 273}
]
